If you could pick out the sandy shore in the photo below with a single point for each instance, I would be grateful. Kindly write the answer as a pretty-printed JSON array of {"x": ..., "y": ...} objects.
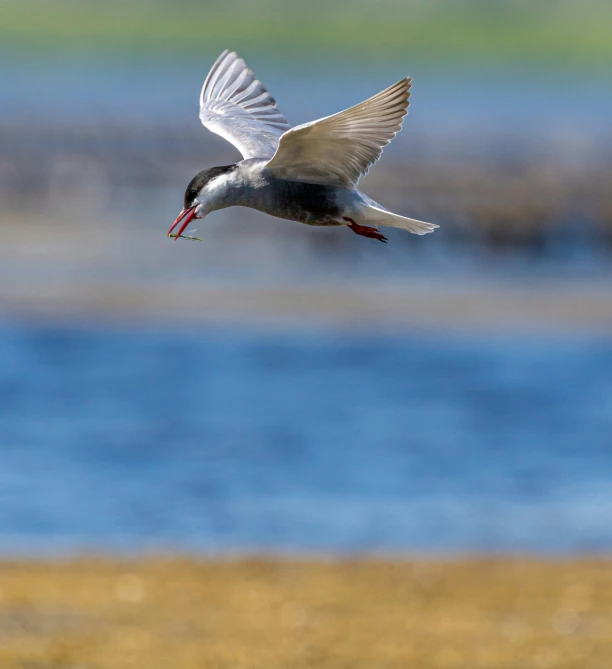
[
  {"x": 459, "y": 308},
  {"x": 243, "y": 614}
]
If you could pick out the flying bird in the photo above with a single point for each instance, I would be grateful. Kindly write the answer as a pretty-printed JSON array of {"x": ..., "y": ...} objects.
[{"x": 308, "y": 173}]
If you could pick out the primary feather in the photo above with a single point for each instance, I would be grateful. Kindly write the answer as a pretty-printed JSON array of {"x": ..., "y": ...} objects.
[{"x": 236, "y": 106}]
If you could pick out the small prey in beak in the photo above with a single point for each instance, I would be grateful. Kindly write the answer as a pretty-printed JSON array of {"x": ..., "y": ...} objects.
[{"x": 185, "y": 217}]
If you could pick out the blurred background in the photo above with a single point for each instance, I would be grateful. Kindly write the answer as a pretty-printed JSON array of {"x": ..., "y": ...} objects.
[{"x": 283, "y": 390}]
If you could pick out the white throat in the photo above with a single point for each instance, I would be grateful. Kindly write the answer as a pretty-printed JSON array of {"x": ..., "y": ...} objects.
[{"x": 218, "y": 193}]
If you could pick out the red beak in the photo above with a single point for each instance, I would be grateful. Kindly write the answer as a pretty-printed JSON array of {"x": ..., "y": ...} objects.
[{"x": 186, "y": 216}]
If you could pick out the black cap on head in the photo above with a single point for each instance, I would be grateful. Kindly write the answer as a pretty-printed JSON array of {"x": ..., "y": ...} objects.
[{"x": 201, "y": 179}]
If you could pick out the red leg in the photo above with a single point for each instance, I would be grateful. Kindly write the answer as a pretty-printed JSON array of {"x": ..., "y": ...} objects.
[{"x": 365, "y": 230}]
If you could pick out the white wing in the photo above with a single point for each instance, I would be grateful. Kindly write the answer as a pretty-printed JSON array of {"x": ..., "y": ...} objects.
[
  {"x": 339, "y": 149},
  {"x": 236, "y": 106}
]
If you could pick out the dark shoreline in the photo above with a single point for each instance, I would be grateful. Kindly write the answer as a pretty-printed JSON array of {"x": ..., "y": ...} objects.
[{"x": 502, "y": 194}]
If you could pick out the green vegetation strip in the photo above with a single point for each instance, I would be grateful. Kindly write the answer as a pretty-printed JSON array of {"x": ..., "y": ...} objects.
[{"x": 551, "y": 33}]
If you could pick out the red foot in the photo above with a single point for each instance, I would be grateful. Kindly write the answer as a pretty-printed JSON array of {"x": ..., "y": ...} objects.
[{"x": 365, "y": 231}]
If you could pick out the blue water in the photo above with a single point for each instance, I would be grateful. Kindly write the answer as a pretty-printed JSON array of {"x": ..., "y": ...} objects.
[
  {"x": 449, "y": 100},
  {"x": 133, "y": 439}
]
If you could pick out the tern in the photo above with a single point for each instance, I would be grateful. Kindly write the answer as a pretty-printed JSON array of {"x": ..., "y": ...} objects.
[{"x": 308, "y": 173}]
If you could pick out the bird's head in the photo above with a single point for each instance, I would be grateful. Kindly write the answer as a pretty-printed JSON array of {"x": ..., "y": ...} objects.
[{"x": 198, "y": 201}]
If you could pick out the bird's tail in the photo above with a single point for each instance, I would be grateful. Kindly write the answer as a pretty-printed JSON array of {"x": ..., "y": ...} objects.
[{"x": 370, "y": 215}]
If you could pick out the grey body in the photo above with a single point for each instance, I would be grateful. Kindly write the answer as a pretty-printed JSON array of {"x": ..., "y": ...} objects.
[{"x": 250, "y": 184}]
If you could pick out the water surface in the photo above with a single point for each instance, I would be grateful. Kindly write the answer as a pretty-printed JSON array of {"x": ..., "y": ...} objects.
[{"x": 122, "y": 440}]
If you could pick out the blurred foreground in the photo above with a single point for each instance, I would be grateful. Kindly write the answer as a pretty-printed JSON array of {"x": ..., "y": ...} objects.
[{"x": 249, "y": 614}]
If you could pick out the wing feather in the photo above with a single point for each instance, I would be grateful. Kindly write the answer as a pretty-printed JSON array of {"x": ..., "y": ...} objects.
[
  {"x": 339, "y": 149},
  {"x": 236, "y": 106}
]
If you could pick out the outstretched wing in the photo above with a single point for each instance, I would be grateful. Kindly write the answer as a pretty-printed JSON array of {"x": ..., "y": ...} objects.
[
  {"x": 339, "y": 149},
  {"x": 235, "y": 105}
]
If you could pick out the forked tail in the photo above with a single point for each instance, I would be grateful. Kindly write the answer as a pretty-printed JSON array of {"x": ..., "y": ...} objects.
[{"x": 378, "y": 216}]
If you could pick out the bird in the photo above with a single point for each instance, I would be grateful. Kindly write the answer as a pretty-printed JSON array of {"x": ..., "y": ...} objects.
[{"x": 307, "y": 173}]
